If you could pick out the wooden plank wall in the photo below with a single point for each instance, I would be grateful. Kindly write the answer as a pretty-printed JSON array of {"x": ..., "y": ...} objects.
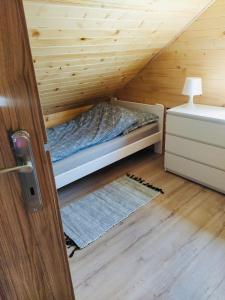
[
  {"x": 199, "y": 51},
  {"x": 87, "y": 49}
]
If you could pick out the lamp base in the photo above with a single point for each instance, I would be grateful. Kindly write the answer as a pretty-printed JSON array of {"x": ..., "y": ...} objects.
[{"x": 191, "y": 100}]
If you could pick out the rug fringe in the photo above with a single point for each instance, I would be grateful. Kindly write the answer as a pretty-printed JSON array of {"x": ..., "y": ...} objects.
[
  {"x": 144, "y": 182},
  {"x": 70, "y": 243}
]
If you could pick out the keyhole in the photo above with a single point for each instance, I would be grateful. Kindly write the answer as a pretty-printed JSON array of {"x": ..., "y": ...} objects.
[{"x": 32, "y": 191}]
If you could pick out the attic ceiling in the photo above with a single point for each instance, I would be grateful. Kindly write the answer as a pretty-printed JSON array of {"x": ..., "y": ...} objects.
[{"x": 84, "y": 50}]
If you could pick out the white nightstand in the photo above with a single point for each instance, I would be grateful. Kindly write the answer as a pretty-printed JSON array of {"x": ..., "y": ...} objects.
[{"x": 195, "y": 144}]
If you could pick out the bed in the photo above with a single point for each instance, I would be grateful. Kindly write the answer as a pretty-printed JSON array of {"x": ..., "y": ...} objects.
[{"x": 91, "y": 159}]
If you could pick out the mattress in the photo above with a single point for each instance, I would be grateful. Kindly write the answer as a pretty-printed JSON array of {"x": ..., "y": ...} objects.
[{"x": 94, "y": 152}]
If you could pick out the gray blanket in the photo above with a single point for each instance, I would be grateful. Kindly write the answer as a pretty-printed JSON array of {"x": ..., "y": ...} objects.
[{"x": 101, "y": 123}]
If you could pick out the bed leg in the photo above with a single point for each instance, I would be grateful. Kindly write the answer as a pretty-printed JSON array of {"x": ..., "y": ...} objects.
[{"x": 158, "y": 148}]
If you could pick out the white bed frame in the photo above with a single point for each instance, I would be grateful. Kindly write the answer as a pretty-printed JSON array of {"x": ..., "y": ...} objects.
[{"x": 67, "y": 176}]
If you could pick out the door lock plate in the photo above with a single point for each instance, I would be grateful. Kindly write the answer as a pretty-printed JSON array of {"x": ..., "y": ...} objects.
[{"x": 27, "y": 171}]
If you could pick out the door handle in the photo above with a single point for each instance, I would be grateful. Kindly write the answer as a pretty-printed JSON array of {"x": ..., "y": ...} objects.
[{"x": 22, "y": 148}]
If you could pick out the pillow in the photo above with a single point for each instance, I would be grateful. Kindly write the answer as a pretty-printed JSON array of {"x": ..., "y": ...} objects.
[{"x": 141, "y": 119}]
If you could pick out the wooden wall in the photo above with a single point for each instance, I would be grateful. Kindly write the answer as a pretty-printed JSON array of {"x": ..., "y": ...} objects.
[
  {"x": 199, "y": 51},
  {"x": 88, "y": 49}
]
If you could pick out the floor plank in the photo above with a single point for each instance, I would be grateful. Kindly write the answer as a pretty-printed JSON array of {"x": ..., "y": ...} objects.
[{"x": 172, "y": 248}]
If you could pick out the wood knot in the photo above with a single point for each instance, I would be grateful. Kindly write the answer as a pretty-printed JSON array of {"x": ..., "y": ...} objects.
[{"x": 35, "y": 33}]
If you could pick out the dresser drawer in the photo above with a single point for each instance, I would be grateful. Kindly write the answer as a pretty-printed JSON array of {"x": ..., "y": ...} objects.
[
  {"x": 202, "y": 174},
  {"x": 203, "y": 153},
  {"x": 202, "y": 131}
]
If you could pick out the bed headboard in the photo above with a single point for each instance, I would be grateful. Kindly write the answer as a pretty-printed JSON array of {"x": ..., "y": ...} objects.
[{"x": 54, "y": 119}]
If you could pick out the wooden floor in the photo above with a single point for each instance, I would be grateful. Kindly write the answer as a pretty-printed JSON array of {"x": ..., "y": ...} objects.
[{"x": 172, "y": 248}]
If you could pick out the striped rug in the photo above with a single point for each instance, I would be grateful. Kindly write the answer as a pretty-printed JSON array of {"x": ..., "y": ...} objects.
[{"x": 90, "y": 217}]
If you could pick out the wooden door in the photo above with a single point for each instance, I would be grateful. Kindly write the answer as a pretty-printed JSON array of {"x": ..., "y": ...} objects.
[{"x": 33, "y": 261}]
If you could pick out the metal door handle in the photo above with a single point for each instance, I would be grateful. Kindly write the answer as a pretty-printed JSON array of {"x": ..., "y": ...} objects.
[
  {"x": 21, "y": 143},
  {"x": 22, "y": 169}
]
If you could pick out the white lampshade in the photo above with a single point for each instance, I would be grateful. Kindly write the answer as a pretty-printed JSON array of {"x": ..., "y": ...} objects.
[{"x": 192, "y": 86}]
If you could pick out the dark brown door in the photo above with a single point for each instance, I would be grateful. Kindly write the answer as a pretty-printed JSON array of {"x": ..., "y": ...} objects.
[{"x": 33, "y": 261}]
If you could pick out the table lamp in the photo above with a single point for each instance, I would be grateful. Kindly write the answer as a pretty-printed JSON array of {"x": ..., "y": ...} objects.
[{"x": 192, "y": 87}]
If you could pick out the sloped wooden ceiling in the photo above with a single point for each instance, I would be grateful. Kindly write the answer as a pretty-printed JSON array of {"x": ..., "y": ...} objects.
[{"x": 87, "y": 49}]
